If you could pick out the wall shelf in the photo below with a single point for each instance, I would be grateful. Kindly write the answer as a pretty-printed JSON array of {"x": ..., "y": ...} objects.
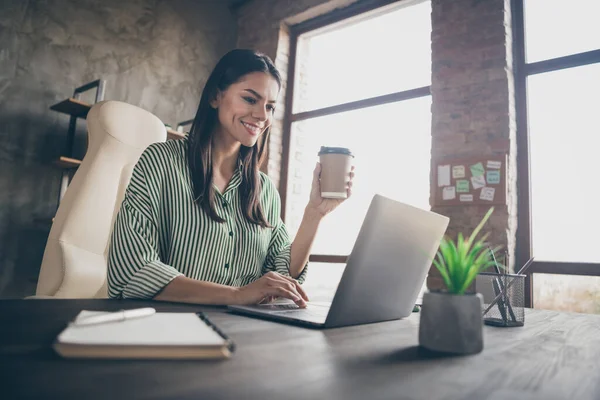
[
  {"x": 174, "y": 135},
  {"x": 73, "y": 107},
  {"x": 76, "y": 109},
  {"x": 67, "y": 162}
]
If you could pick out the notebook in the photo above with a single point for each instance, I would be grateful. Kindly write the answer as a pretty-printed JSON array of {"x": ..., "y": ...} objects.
[{"x": 161, "y": 335}]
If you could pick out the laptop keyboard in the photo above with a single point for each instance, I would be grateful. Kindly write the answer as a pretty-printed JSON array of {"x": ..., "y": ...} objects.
[
  {"x": 291, "y": 309},
  {"x": 279, "y": 307}
]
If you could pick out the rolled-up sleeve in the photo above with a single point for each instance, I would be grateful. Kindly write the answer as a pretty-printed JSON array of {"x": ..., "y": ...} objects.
[
  {"x": 280, "y": 253},
  {"x": 134, "y": 266}
]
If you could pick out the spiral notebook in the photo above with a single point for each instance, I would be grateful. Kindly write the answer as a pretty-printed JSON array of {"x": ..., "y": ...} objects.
[{"x": 159, "y": 336}]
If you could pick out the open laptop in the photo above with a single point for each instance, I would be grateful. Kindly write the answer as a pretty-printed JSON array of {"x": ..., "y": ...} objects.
[{"x": 384, "y": 274}]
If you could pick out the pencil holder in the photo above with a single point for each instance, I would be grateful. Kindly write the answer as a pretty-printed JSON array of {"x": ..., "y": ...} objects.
[{"x": 503, "y": 298}]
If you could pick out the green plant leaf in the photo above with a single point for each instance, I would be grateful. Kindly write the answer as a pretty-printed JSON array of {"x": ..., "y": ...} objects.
[
  {"x": 441, "y": 266},
  {"x": 456, "y": 265},
  {"x": 482, "y": 261},
  {"x": 459, "y": 262},
  {"x": 461, "y": 246},
  {"x": 481, "y": 223},
  {"x": 448, "y": 262},
  {"x": 471, "y": 276}
]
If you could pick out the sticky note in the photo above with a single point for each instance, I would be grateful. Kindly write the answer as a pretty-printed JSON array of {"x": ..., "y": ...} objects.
[
  {"x": 487, "y": 193},
  {"x": 462, "y": 186},
  {"x": 458, "y": 171},
  {"x": 494, "y": 164},
  {"x": 478, "y": 182},
  {"x": 449, "y": 193},
  {"x": 466, "y": 197},
  {"x": 493, "y": 177},
  {"x": 477, "y": 169},
  {"x": 443, "y": 175}
]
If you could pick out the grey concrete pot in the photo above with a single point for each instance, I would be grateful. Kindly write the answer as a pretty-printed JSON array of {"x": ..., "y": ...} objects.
[{"x": 451, "y": 323}]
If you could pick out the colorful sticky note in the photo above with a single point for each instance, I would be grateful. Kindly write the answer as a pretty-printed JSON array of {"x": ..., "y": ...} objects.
[
  {"x": 449, "y": 193},
  {"x": 487, "y": 193},
  {"x": 466, "y": 197},
  {"x": 462, "y": 186},
  {"x": 478, "y": 182},
  {"x": 477, "y": 169},
  {"x": 458, "y": 171},
  {"x": 493, "y": 177},
  {"x": 494, "y": 164}
]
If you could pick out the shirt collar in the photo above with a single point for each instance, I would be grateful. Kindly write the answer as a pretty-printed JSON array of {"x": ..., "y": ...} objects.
[{"x": 236, "y": 179}]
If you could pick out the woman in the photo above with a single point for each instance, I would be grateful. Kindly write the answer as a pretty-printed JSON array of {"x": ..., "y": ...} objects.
[{"x": 199, "y": 222}]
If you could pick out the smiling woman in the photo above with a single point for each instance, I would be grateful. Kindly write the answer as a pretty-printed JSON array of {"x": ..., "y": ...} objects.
[
  {"x": 199, "y": 222},
  {"x": 242, "y": 106}
]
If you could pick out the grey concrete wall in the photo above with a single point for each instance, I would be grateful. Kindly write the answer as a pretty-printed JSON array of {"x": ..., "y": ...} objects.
[{"x": 155, "y": 54}]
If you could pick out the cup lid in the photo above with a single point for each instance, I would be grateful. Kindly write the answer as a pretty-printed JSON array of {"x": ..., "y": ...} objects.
[{"x": 335, "y": 150}]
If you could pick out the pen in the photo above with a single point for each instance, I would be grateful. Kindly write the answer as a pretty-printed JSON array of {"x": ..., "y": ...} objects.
[
  {"x": 493, "y": 303},
  {"x": 115, "y": 316},
  {"x": 503, "y": 302}
]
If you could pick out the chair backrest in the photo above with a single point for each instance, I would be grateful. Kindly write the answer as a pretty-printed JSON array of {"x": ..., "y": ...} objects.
[{"x": 74, "y": 263}]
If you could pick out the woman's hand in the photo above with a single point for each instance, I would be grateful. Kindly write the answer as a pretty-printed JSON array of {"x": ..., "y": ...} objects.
[
  {"x": 319, "y": 204},
  {"x": 271, "y": 285}
]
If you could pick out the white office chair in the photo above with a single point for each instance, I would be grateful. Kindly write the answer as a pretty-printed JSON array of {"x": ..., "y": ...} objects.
[{"x": 74, "y": 263}]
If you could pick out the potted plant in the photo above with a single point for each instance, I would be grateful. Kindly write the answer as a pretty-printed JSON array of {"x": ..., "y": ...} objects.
[{"x": 451, "y": 320}]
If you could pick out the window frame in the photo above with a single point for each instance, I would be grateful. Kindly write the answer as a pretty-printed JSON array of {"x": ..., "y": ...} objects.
[
  {"x": 295, "y": 31},
  {"x": 522, "y": 70}
]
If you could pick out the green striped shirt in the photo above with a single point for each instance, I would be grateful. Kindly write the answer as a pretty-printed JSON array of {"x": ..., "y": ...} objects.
[{"x": 161, "y": 233}]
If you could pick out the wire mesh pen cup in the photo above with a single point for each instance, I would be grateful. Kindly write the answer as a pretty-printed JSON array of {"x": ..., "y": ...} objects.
[{"x": 503, "y": 298}]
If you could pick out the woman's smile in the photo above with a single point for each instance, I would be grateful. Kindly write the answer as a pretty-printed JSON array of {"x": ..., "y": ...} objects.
[{"x": 254, "y": 130}]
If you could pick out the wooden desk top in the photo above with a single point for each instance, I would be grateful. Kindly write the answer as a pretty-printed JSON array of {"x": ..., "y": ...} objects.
[{"x": 555, "y": 356}]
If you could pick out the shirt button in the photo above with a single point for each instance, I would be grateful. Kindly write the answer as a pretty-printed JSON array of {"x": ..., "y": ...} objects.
[
  {"x": 227, "y": 265},
  {"x": 231, "y": 234},
  {"x": 225, "y": 204}
]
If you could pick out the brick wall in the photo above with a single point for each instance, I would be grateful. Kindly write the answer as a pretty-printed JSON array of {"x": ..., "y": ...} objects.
[
  {"x": 472, "y": 89},
  {"x": 473, "y": 110}
]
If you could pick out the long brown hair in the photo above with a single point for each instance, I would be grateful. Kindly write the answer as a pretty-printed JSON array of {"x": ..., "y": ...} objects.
[{"x": 230, "y": 69}]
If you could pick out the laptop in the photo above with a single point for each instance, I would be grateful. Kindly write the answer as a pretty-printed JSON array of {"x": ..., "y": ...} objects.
[{"x": 384, "y": 273}]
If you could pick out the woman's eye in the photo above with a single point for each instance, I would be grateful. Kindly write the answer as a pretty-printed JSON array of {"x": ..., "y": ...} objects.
[
  {"x": 250, "y": 100},
  {"x": 271, "y": 108}
]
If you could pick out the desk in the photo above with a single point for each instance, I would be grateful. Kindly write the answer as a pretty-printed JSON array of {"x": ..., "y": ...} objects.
[{"x": 555, "y": 356}]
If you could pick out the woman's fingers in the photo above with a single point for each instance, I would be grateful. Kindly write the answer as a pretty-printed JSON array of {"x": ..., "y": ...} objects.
[
  {"x": 317, "y": 173},
  {"x": 350, "y": 183},
  {"x": 288, "y": 294},
  {"x": 296, "y": 285},
  {"x": 299, "y": 295},
  {"x": 317, "y": 170},
  {"x": 299, "y": 289},
  {"x": 290, "y": 285}
]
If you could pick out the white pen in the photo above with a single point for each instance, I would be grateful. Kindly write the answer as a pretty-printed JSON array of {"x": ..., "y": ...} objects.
[{"x": 115, "y": 316}]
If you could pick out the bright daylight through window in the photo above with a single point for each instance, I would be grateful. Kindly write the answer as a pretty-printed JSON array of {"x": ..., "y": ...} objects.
[
  {"x": 564, "y": 132},
  {"x": 376, "y": 55},
  {"x": 564, "y": 137}
]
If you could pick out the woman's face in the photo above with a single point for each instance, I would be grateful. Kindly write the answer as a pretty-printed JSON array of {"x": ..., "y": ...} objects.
[{"x": 246, "y": 108}]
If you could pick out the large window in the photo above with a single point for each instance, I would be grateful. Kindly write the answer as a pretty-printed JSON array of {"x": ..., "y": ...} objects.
[
  {"x": 565, "y": 185},
  {"x": 360, "y": 82},
  {"x": 558, "y": 80}
]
